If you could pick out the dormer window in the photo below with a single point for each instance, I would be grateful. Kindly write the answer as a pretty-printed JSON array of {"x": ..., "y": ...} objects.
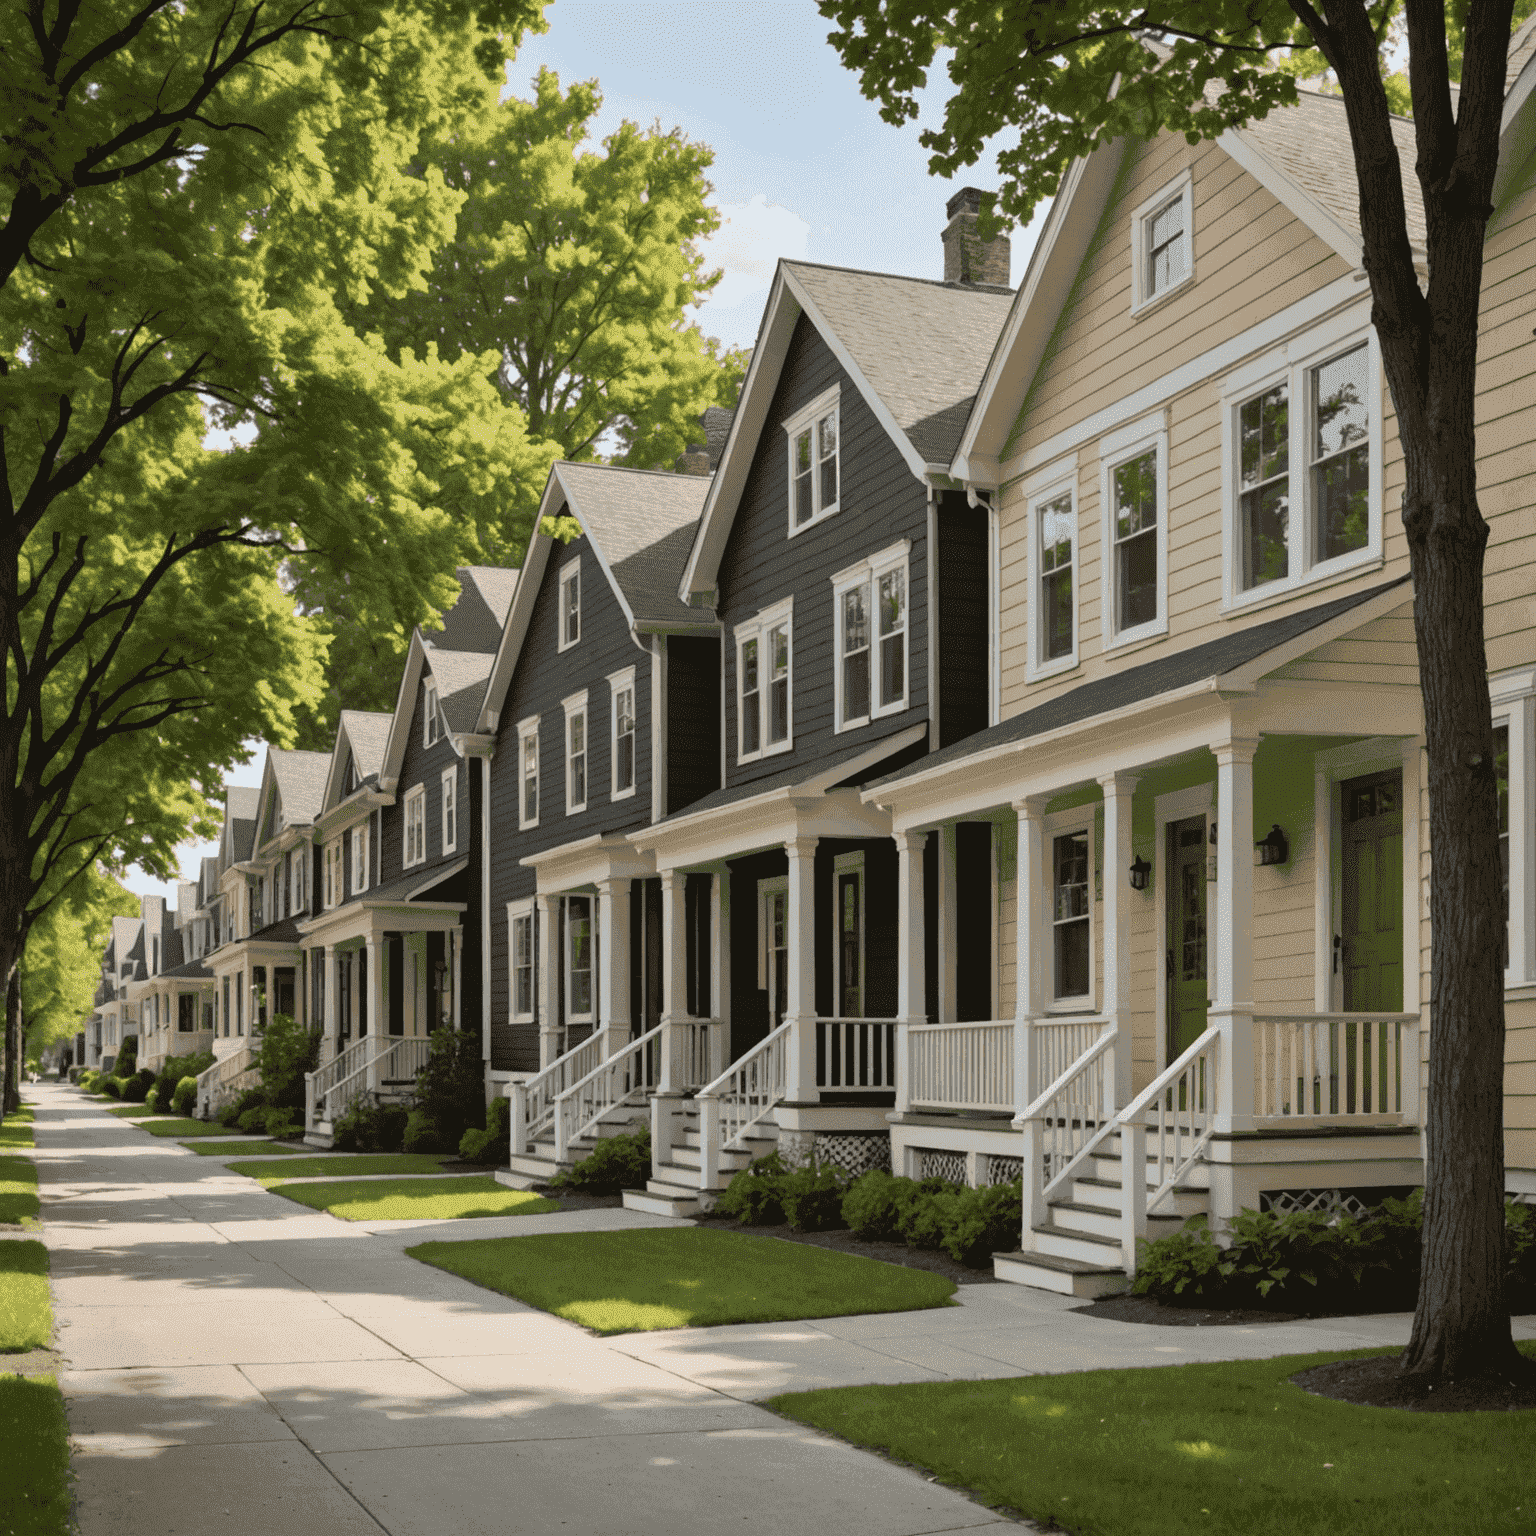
[
  {"x": 570, "y": 605},
  {"x": 814, "y": 475},
  {"x": 431, "y": 720},
  {"x": 1162, "y": 254}
]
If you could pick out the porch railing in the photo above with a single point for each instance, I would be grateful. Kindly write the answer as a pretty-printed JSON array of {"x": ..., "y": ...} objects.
[
  {"x": 319, "y": 1083},
  {"x": 856, "y": 1054},
  {"x": 533, "y": 1101},
  {"x": 627, "y": 1077},
  {"x": 402, "y": 1059},
  {"x": 230, "y": 1074},
  {"x": 962, "y": 1066},
  {"x": 1066, "y": 1124},
  {"x": 743, "y": 1095},
  {"x": 696, "y": 1047},
  {"x": 1336, "y": 1066}
]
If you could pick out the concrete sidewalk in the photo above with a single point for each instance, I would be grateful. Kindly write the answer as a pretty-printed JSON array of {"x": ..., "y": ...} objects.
[{"x": 231, "y": 1354}]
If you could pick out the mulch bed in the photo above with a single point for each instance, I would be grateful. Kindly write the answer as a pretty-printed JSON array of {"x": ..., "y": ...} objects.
[
  {"x": 1376, "y": 1383},
  {"x": 931, "y": 1259},
  {"x": 1144, "y": 1309}
]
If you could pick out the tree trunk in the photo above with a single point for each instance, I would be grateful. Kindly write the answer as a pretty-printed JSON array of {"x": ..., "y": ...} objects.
[{"x": 11, "y": 1098}]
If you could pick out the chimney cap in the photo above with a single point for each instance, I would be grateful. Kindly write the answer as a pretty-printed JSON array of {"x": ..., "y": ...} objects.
[{"x": 966, "y": 200}]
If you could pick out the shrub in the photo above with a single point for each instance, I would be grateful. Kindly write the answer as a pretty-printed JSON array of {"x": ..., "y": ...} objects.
[
  {"x": 287, "y": 1051},
  {"x": 279, "y": 1122},
  {"x": 616, "y": 1163},
  {"x": 253, "y": 1119},
  {"x": 980, "y": 1222},
  {"x": 127, "y": 1056},
  {"x": 753, "y": 1195},
  {"x": 493, "y": 1145},
  {"x": 112, "y": 1087},
  {"x": 423, "y": 1134},
  {"x": 1520, "y": 1255},
  {"x": 450, "y": 1089},
  {"x": 371, "y": 1128},
  {"x": 174, "y": 1069},
  {"x": 152, "y": 1099},
  {"x": 242, "y": 1103},
  {"x": 812, "y": 1197},
  {"x": 136, "y": 1088},
  {"x": 920, "y": 1220},
  {"x": 872, "y": 1206},
  {"x": 184, "y": 1099}
]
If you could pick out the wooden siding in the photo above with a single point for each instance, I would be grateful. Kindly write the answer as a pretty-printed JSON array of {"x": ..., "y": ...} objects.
[
  {"x": 424, "y": 766},
  {"x": 880, "y": 502},
  {"x": 693, "y": 719},
  {"x": 964, "y": 671}
]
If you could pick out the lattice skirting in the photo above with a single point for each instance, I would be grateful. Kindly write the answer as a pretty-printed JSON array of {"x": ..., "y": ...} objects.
[
  {"x": 940, "y": 1165},
  {"x": 1334, "y": 1202},
  {"x": 1004, "y": 1170},
  {"x": 856, "y": 1154}
]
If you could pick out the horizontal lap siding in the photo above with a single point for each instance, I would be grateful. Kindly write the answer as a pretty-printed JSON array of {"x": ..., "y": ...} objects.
[
  {"x": 543, "y": 676},
  {"x": 424, "y": 765},
  {"x": 880, "y": 501}
]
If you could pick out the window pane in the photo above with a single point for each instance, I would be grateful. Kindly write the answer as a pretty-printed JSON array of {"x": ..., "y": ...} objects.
[
  {"x": 1056, "y": 534},
  {"x": 1264, "y": 431},
  {"x": 1501, "y": 777},
  {"x": 827, "y": 446},
  {"x": 804, "y": 510},
  {"x": 1341, "y": 431},
  {"x": 624, "y": 770},
  {"x": 855, "y": 654},
  {"x": 893, "y": 637},
  {"x": 1266, "y": 533},
  {"x": 1165, "y": 247},
  {"x": 1341, "y": 494},
  {"x": 1070, "y": 915},
  {"x": 778, "y": 650},
  {"x": 573, "y": 607},
  {"x": 1136, "y": 496},
  {"x": 893, "y": 602},
  {"x": 1138, "y": 581},
  {"x": 1057, "y": 614},
  {"x": 750, "y": 722}
]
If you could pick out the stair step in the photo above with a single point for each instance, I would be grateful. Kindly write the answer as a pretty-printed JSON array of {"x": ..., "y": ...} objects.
[
  {"x": 1067, "y": 1277},
  {"x": 1183, "y": 1200},
  {"x": 1088, "y": 1247},
  {"x": 515, "y": 1180},
  {"x": 672, "y": 1203},
  {"x": 1079, "y": 1216}
]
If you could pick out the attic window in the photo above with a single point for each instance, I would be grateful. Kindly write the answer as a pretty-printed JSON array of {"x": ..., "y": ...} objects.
[
  {"x": 1162, "y": 250},
  {"x": 814, "y": 469},
  {"x": 570, "y": 605},
  {"x": 431, "y": 719},
  {"x": 350, "y": 780}
]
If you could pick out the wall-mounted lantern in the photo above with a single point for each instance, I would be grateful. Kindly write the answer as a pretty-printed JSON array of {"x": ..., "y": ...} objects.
[
  {"x": 1210, "y": 857},
  {"x": 1141, "y": 872},
  {"x": 1273, "y": 849}
]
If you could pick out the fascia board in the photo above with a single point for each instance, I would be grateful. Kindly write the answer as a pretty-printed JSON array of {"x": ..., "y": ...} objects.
[
  {"x": 403, "y": 720},
  {"x": 1517, "y": 140},
  {"x": 1245, "y": 679},
  {"x": 701, "y": 571},
  {"x": 1053, "y": 267},
  {"x": 1291, "y": 196}
]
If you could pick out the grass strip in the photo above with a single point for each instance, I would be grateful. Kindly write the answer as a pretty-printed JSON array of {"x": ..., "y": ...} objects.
[
  {"x": 16, "y": 1130},
  {"x": 187, "y": 1128},
  {"x": 416, "y": 1199},
  {"x": 18, "y": 1190},
  {"x": 255, "y": 1149},
  {"x": 343, "y": 1163},
  {"x": 684, "y": 1277},
  {"x": 1227, "y": 1449},
  {"x": 136, "y": 1112},
  {"x": 26, "y": 1309},
  {"x": 34, "y": 1493}
]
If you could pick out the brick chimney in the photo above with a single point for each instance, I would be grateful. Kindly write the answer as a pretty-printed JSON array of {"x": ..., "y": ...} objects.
[{"x": 967, "y": 258}]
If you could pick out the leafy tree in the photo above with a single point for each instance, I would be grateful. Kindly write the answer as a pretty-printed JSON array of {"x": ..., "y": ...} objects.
[
  {"x": 1068, "y": 76},
  {"x": 573, "y": 267},
  {"x": 189, "y": 190}
]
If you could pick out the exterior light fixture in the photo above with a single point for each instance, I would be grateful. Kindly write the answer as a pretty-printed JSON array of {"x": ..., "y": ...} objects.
[
  {"x": 1141, "y": 872},
  {"x": 1273, "y": 849}
]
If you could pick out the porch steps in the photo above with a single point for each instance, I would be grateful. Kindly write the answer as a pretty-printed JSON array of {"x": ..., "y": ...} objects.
[
  {"x": 674, "y": 1189},
  {"x": 538, "y": 1165}
]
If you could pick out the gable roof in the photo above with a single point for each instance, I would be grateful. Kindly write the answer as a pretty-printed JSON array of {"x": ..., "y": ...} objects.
[
  {"x": 239, "y": 835},
  {"x": 294, "y": 783},
  {"x": 475, "y": 621},
  {"x": 363, "y": 734},
  {"x": 460, "y": 678},
  {"x": 915, "y": 349}
]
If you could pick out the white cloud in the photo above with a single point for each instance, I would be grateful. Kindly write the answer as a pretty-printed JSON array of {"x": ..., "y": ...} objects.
[{"x": 751, "y": 239}]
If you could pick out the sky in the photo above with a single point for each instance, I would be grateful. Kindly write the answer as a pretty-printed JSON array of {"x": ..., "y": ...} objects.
[{"x": 804, "y": 166}]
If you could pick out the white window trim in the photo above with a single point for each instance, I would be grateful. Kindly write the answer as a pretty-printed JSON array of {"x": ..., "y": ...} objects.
[
  {"x": 806, "y": 416},
  {"x": 334, "y": 858},
  {"x": 617, "y": 683},
  {"x": 573, "y": 706},
  {"x": 526, "y": 729},
  {"x": 845, "y": 864},
  {"x": 431, "y": 724},
  {"x": 757, "y": 628},
  {"x": 415, "y": 800},
  {"x": 522, "y": 911},
  {"x": 571, "y": 568},
  {"x": 1514, "y": 706},
  {"x": 1081, "y": 818},
  {"x": 1182, "y": 186},
  {"x": 867, "y": 573},
  {"x": 450, "y": 787},
  {"x": 357, "y": 855},
  {"x": 1048, "y": 486},
  {"x": 1290, "y": 363},
  {"x": 1115, "y": 449}
]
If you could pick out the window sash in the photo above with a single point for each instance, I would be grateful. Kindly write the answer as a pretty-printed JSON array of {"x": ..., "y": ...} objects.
[
  {"x": 570, "y": 606},
  {"x": 778, "y": 685},
  {"x": 854, "y": 612},
  {"x": 576, "y": 747},
  {"x": 531, "y": 779},
  {"x": 1056, "y": 533},
  {"x": 1135, "y": 538},
  {"x": 1071, "y": 919},
  {"x": 522, "y": 966},
  {"x": 751, "y": 721},
  {"x": 891, "y": 612},
  {"x": 578, "y": 957},
  {"x": 805, "y": 478},
  {"x": 1338, "y": 394},
  {"x": 450, "y": 814},
  {"x": 1166, "y": 264},
  {"x": 624, "y": 740}
]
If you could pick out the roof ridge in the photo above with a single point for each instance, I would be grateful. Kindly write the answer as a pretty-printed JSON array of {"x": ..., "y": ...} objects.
[
  {"x": 994, "y": 290},
  {"x": 628, "y": 469}
]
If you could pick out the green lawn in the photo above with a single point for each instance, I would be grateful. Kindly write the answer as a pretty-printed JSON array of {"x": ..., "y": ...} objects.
[
  {"x": 255, "y": 1149},
  {"x": 135, "y": 1112},
  {"x": 684, "y": 1277},
  {"x": 34, "y": 1493},
  {"x": 318, "y": 1167},
  {"x": 188, "y": 1128},
  {"x": 26, "y": 1311},
  {"x": 1230, "y": 1450},
  {"x": 415, "y": 1199},
  {"x": 16, "y": 1130},
  {"x": 18, "y": 1190}
]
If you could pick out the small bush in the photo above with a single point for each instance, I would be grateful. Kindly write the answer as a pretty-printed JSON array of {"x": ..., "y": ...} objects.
[
  {"x": 423, "y": 1134},
  {"x": 152, "y": 1100},
  {"x": 371, "y": 1128},
  {"x": 184, "y": 1099},
  {"x": 753, "y": 1196},
  {"x": 253, "y": 1119},
  {"x": 287, "y": 1051},
  {"x": 450, "y": 1089},
  {"x": 872, "y": 1206},
  {"x": 491, "y": 1146},
  {"x": 112, "y": 1087},
  {"x": 127, "y": 1056},
  {"x": 279, "y": 1122},
  {"x": 920, "y": 1221},
  {"x": 171, "y": 1073},
  {"x": 812, "y": 1197},
  {"x": 616, "y": 1163},
  {"x": 242, "y": 1104},
  {"x": 980, "y": 1222},
  {"x": 136, "y": 1089}
]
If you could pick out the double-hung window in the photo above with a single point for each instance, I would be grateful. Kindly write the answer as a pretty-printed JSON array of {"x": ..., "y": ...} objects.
[
  {"x": 520, "y": 956},
  {"x": 415, "y": 826},
  {"x": 575, "y": 753},
  {"x": 1303, "y": 458},
  {"x": 359, "y": 836},
  {"x": 870, "y": 609},
  {"x": 1514, "y": 747},
  {"x": 450, "y": 804},
  {"x": 431, "y": 718},
  {"x": 333, "y": 873},
  {"x": 570, "y": 604},
  {"x": 764, "y": 683},
  {"x": 1071, "y": 915},
  {"x": 528, "y": 773},
  {"x": 1162, "y": 250},
  {"x": 621, "y": 693},
  {"x": 814, "y": 480},
  {"x": 578, "y": 960},
  {"x": 1052, "y": 509},
  {"x": 1134, "y": 490}
]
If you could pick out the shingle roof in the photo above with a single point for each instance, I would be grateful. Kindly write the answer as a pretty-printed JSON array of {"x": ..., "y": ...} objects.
[
  {"x": 460, "y": 678},
  {"x": 192, "y": 970},
  {"x": 284, "y": 931},
  {"x": 650, "y": 578},
  {"x": 1137, "y": 684},
  {"x": 301, "y": 783},
  {"x": 922, "y": 346},
  {"x": 1521, "y": 46},
  {"x": 368, "y": 732},
  {"x": 475, "y": 621}
]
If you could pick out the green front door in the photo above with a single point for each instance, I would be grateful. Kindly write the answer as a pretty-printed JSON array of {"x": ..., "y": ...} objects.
[
  {"x": 1371, "y": 938},
  {"x": 1186, "y": 934}
]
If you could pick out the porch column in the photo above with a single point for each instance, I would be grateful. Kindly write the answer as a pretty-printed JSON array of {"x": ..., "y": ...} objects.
[
  {"x": 1118, "y": 791},
  {"x": 1028, "y": 972},
  {"x": 330, "y": 1016},
  {"x": 375, "y": 1006},
  {"x": 674, "y": 975},
  {"x": 945, "y": 917},
  {"x": 549, "y": 992},
  {"x": 800, "y": 993},
  {"x": 455, "y": 942},
  {"x": 719, "y": 967},
  {"x": 1231, "y": 927},
  {"x": 613, "y": 965},
  {"x": 911, "y": 964}
]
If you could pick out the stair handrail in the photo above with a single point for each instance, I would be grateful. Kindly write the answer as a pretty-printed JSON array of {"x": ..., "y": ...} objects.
[
  {"x": 218, "y": 1076},
  {"x": 533, "y": 1100},
  {"x": 341, "y": 1095},
  {"x": 317, "y": 1084},
  {"x": 758, "y": 1076},
  {"x": 1031, "y": 1117},
  {"x": 631, "y": 1070}
]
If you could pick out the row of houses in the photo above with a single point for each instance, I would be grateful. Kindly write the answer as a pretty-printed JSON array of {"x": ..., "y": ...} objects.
[{"x": 997, "y": 753}]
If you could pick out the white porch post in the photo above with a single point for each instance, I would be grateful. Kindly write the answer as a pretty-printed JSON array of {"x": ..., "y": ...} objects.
[
  {"x": 912, "y": 971},
  {"x": 373, "y": 949},
  {"x": 800, "y": 998},
  {"x": 549, "y": 959},
  {"x": 454, "y": 939},
  {"x": 1118, "y": 790},
  {"x": 330, "y": 1009},
  {"x": 1231, "y": 922},
  {"x": 719, "y": 968},
  {"x": 948, "y": 934},
  {"x": 613, "y": 964},
  {"x": 1028, "y": 976},
  {"x": 674, "y": 974}
]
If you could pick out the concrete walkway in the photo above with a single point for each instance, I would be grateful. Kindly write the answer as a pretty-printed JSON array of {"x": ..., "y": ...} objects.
[{"x": 230, "y": 1354}]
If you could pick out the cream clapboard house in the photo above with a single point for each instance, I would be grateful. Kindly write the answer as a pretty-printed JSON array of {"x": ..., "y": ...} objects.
[{"x": 1204, "y": 784}]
